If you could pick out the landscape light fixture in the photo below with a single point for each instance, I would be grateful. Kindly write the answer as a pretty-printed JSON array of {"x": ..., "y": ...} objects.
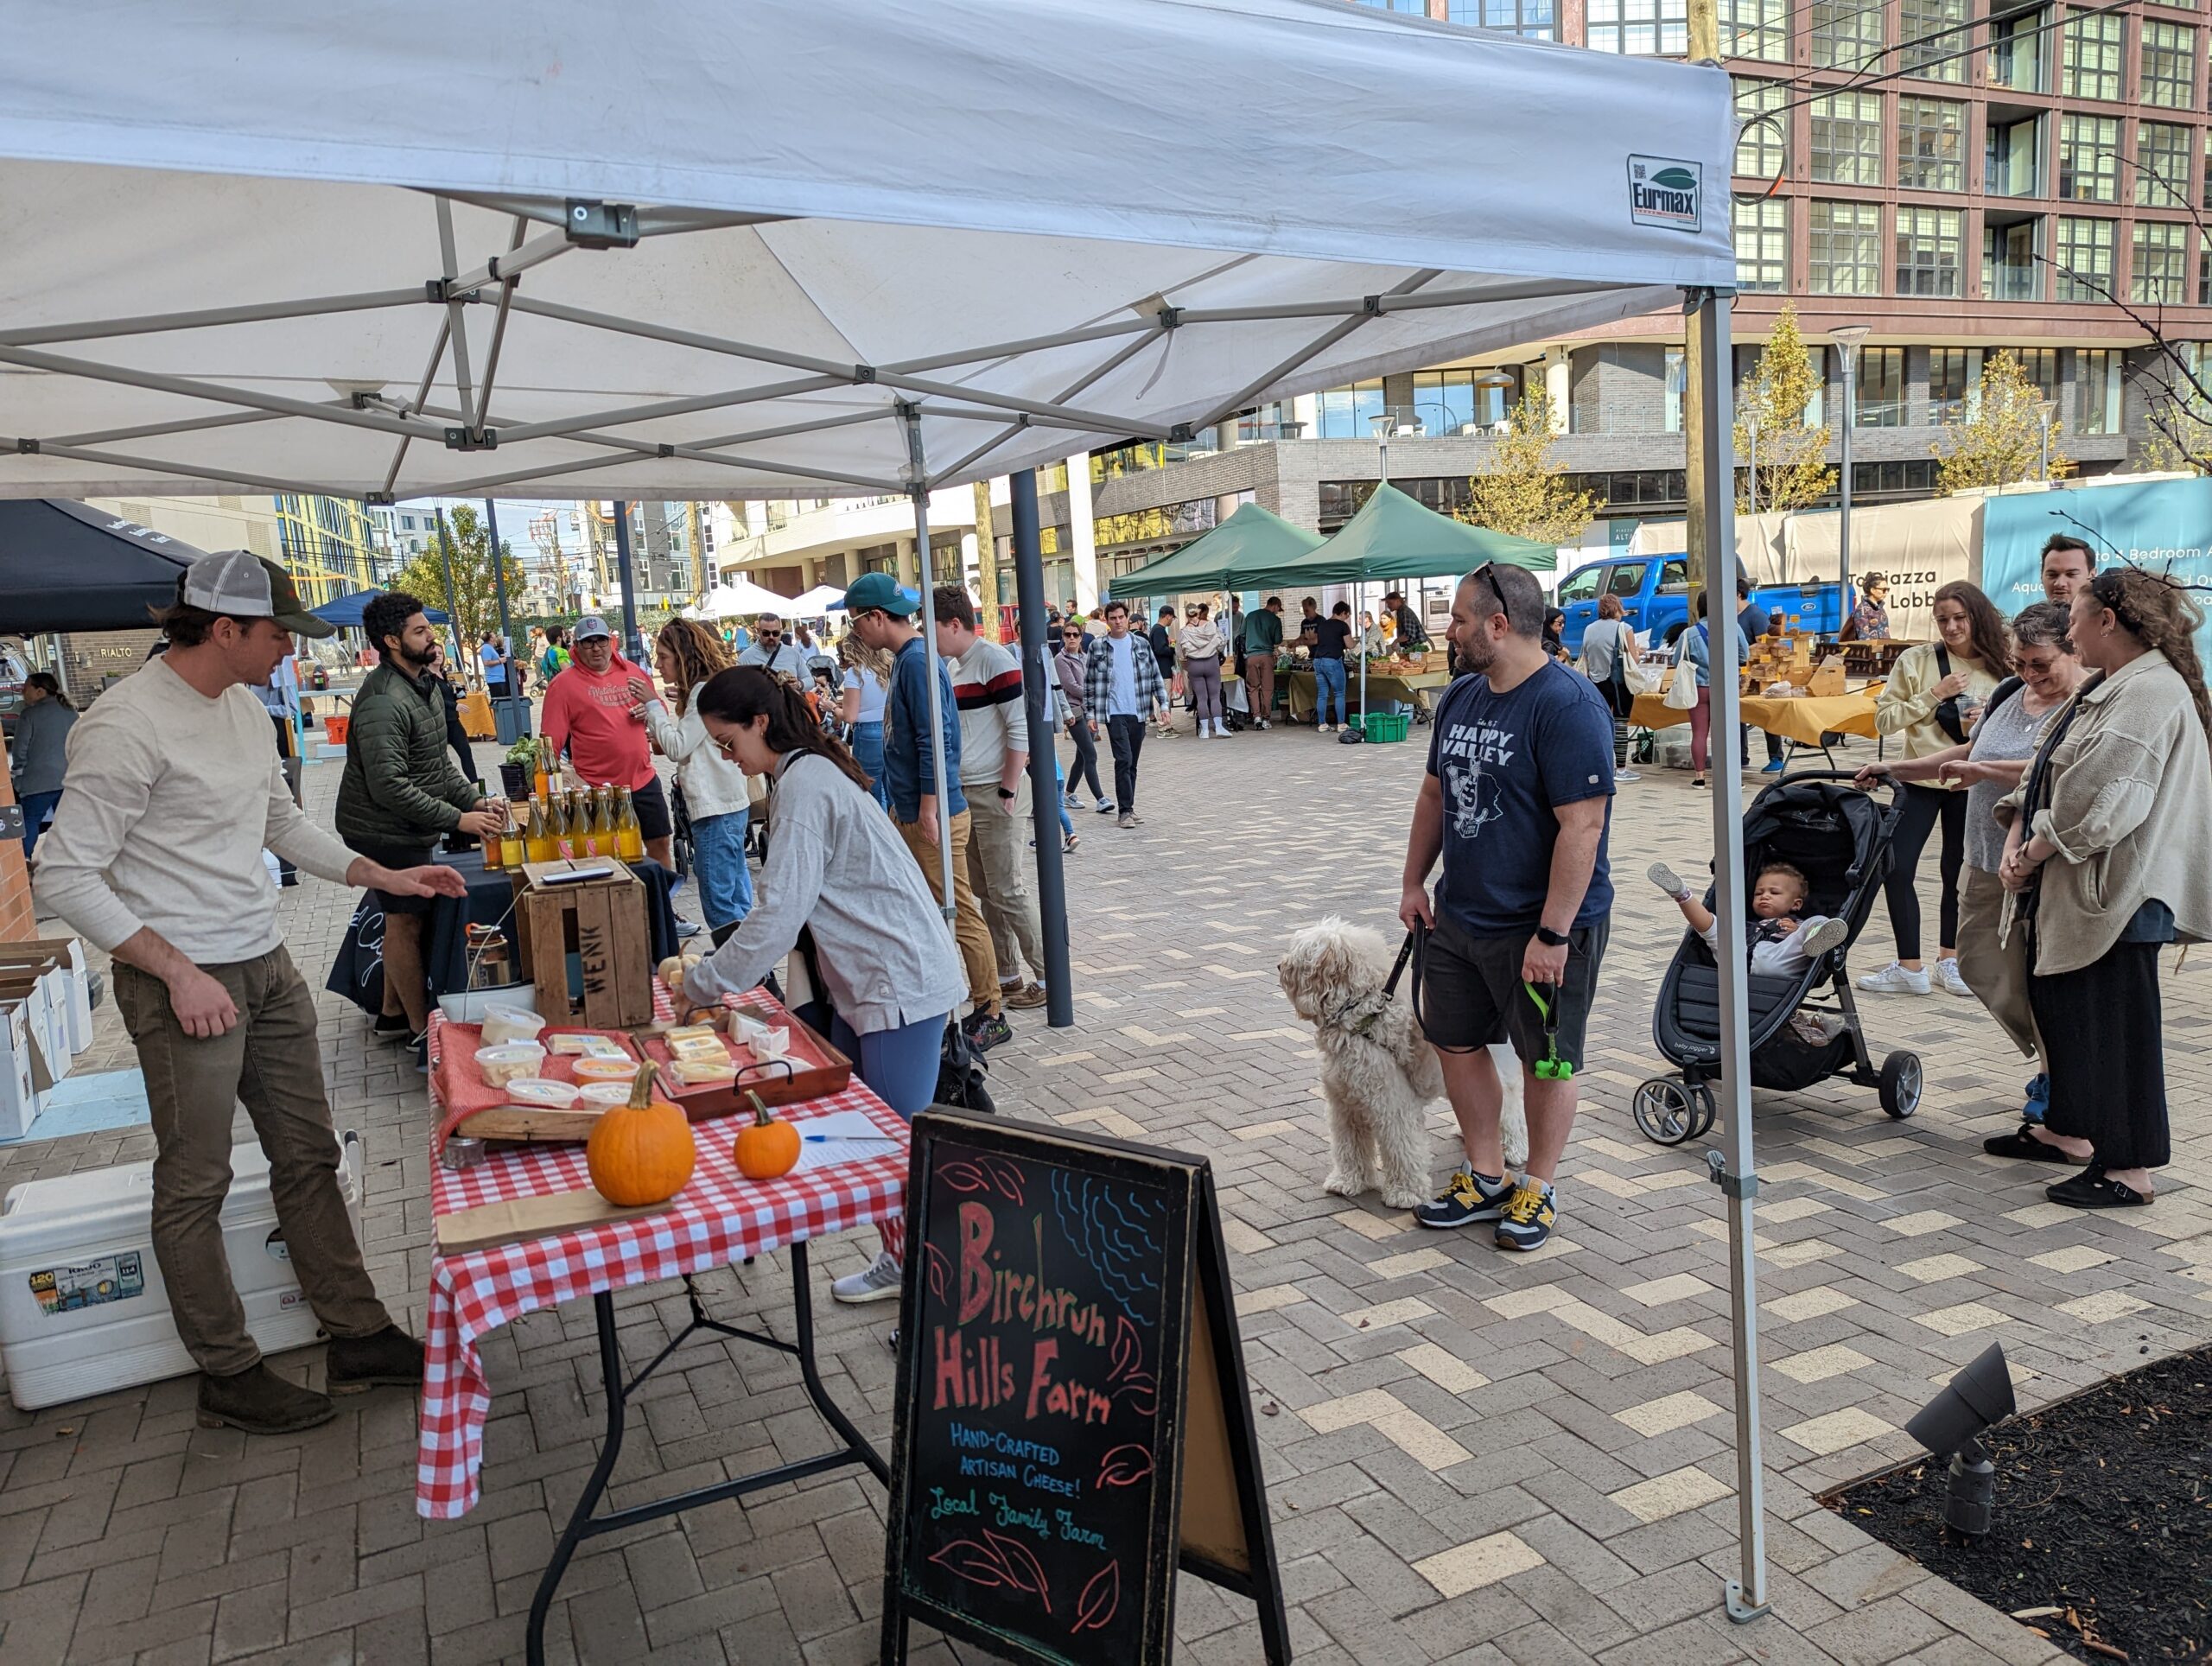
[{"x": 1951, "y": 1425}]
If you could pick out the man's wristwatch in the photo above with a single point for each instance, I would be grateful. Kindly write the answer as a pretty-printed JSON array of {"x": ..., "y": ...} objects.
[
  {"x": 1550, "y": 938},
  {"x": 1006, "y": 792}
]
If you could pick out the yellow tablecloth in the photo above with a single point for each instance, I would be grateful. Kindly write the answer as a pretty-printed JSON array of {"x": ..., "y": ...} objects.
[
  {"x": 1803, "y": 719},
  {"x": 1412, "y": 687}
]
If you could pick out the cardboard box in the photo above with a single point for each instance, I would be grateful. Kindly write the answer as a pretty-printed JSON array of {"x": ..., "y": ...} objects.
[
  {"x": 72, "y": 996},
  {"x": 44, "y": 994},
  {"x": 585, "y": 944},
  {"x": 21, "y": 1099}
]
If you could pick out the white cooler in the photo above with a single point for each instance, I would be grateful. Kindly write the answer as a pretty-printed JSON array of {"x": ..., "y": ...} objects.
[{"x": 83, "y": 1310}]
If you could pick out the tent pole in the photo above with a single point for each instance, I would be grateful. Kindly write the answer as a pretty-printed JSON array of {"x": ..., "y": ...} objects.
[
  {"x": 918, "y": 489},
  {"x": 1043, "y": 770},
  {"x": 628, "y": 580},
  {"x": 506, "y": 627},
  {"x": 1733, "y": 1169},
  {"x": 453, "y": 604}
]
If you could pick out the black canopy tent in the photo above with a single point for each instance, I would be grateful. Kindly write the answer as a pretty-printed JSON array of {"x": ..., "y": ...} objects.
[{"x": 66, "y": 566}]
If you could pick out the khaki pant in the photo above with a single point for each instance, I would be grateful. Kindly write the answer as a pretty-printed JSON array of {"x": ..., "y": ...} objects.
[
  {"x": 1260, "y": 685},
  {"x": 968, "y": 928},
  {"x": 1997, "y": 973},
  {"x": 998, "y": 842},
  {"x": 271, "y": 1061}
]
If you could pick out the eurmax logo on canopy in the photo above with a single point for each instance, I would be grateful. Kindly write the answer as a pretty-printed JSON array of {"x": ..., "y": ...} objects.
[{"x": 1664, "y": 192}]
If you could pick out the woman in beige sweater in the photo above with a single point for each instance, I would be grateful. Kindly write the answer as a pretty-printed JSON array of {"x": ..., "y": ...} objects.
[
  {"x": 2104, "y": 857},
  {"x": 1928, "y": 705}
]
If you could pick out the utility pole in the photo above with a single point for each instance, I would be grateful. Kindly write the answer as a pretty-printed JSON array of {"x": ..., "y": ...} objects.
[
  {"x": 986, "y": 566},
  {"x": 1704, "y": 48}
]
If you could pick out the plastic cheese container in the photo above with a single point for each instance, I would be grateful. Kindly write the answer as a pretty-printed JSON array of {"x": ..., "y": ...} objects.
[
  {"x": 623, "y": 1071},
  {"x": 504, "y": 1024},
  {"x": 603, "y": 1095},
  {"x": 540, "y": 1092},
  {"x": 503, "y": 1064}
]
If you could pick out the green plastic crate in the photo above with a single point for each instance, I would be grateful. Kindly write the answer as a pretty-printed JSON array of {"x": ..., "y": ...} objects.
[{"x": 1385, "y": 727}]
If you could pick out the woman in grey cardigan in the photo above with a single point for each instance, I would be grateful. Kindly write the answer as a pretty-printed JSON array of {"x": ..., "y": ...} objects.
[
  {"x": 2103, "y": 856},
  {"x": 39, "y": 753}
]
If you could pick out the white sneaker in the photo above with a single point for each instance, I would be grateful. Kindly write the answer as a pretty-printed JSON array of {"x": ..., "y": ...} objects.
[
  {"x": 879, "y": 1283},
  {"x": 1948, "y": 979},
  {"x": 1626, "y": 775},
  {"x": 1828, "y": 934},
  {"x": 1667, "y": 880},
  {"x": 1896, "y": 978}
]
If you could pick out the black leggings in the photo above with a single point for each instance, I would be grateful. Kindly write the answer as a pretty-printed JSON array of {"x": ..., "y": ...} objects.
[
  {"x": 1086, "y": 758},
  {"x": 1922, "y": 808}
]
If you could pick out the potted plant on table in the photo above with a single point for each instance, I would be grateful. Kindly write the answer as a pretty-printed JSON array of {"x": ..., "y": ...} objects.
[{"x": 515, "y": 768}]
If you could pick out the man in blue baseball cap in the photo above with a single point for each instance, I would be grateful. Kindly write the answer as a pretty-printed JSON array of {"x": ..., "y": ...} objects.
[{"x": 882, "y": 613}]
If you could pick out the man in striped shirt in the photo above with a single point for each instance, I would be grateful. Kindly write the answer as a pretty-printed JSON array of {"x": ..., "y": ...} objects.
[{"x": 995, "y": 777}]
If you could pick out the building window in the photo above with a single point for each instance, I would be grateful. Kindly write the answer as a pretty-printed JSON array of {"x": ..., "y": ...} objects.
[
  {"x": 2084, "y": 258},
  {"x": 1847, "y": 34},
  {"x": 2010, "y": 269},
  {"x": 1931, "y": 144},
  {"x": 2169, "y": 65},
  {"x": 1762, "y": 146},
  {"x": 1447, "y": 401},
  {"x": 1345, "y": 411},
  {"x": 2161, "y": 272},
  {"x": 1640, "y": 28},
  {"x": 1954, "y": 378},
  {"x": 2040, "y": 367},
  {"x": 1532, "y": 18},
  {"x": 2011, "y": 158},
  {"x": 1878, "y": 400},
  {"x": 1755, "y": 28},
  {"x": 1763, "y": 245},
  {"x": 2096, "y": 390},
  {"x": 1847, "y": 138},
  {"x": 2162, "y": 165},
  {"x": 2088, "y": 158},
  {"x": 1847, "y": 248},
  {"x": 2017, "y": 51},
  {"x": 1929, "y": 30},
  {"x": 1932, "y": 244},
  {"x": 2094, "y": 55}
]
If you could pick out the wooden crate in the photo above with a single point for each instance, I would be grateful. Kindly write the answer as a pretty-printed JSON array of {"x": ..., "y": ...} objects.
[{"x": 602, "y": 923}]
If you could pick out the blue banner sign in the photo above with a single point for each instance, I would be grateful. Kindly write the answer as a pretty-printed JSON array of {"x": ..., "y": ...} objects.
[{"x": 2164, "y": 526}]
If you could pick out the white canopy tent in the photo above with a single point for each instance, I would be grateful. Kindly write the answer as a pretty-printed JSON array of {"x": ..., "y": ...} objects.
[
  {"x": 740, "y": 597},
  {"x": 820, "y": 601},
  {"x": 677, "y": 249}
]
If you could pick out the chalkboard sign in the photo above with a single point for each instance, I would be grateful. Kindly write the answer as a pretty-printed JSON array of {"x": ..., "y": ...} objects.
[{"x": 1073, "y": 1423}]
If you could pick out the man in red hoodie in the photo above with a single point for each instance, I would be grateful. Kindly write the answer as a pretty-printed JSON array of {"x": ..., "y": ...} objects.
[{"x": 588, "y": 713}]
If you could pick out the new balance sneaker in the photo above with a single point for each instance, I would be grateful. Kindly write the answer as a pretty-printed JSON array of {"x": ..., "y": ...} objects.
[
  {"x": 880, "y": 1282},
  {"x": 1105, "y": 806},
  {"x": 1896, "y": 978},
  {"x": 1828, "y": 934},
  {"x": 1527, "y": 1221},
  {"x": 1468, "y": 1198},
  {"x": 986, "y": 1030},
  {"x": 1667, "y": 880},
  {"x": 1948, "y": 979}
]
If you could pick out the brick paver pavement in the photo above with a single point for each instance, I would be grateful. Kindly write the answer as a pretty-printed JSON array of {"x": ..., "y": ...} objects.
[{"x": 1471, "y": 1458}]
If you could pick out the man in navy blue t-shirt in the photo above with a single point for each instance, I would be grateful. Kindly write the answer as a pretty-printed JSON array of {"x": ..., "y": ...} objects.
[{"x": 1516, "y": 802}]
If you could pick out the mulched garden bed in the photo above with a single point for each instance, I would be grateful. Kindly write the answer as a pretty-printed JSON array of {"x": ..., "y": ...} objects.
[{"x": 2102, "y": 1538}]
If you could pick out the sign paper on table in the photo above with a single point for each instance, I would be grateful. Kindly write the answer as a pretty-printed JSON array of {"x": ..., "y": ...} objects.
[{"x": 844, "y": 1136}]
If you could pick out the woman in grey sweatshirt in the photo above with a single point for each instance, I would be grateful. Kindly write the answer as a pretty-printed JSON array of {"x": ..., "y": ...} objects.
[{"x": 38, "y": 752}]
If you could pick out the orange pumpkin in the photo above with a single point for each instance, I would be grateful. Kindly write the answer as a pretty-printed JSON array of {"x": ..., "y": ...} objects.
[
  {"x": 641, "y": 1153},
  {"x": 768, "y": 1148}
]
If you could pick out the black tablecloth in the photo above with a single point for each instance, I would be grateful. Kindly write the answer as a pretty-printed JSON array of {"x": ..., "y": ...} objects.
[{"x": 357, "y": 973}]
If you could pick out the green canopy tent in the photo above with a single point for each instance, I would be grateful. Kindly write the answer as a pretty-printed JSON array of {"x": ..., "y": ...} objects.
[
  {"x": 1394, "y": 537},
  {"x": 1244, "y": 552}
]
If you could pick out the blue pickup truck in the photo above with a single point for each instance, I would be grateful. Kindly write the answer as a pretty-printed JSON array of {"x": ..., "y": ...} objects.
[{"x": 1655, "y": 593}]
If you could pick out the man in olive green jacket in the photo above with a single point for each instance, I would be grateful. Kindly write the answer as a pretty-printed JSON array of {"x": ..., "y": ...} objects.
[{"x": 401, "y": 791}]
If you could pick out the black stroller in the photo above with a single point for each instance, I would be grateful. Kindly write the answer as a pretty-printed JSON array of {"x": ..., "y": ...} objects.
[{"x": 1839, "y": 837}]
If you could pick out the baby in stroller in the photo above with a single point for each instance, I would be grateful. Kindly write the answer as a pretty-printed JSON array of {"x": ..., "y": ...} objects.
[{"x": 1782, "y": 945}]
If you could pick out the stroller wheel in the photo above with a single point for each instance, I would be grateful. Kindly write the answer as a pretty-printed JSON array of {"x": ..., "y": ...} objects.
[
  {"x": 1900, "y": 1084},
  {"x": 1666, "y": 1110},
  {"x": 1706, "y": 1108}
]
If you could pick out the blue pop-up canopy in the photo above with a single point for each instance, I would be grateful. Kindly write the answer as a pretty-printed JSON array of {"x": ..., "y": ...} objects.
[{"x": 346, "y": 609}]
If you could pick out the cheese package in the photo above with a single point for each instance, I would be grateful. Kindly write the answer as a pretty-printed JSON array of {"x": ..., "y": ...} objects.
[
  {"x": 584, "y": 1044},
  {"x": 693, "y": 1071},
  {"x": 605, "y": 1069},
  {"x": 706, "y": 1047}
]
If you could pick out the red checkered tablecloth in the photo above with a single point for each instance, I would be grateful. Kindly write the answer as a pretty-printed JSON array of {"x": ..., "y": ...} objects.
[{"x": 720, "y": 1218}]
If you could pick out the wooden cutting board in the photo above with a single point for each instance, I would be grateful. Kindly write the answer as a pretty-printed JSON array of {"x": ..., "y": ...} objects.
[
  {"x": 532, "y": 1123},
  {"x": 523, "y": 1218}
]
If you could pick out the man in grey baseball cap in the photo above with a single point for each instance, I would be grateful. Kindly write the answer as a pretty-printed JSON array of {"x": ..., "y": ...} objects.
[{"x": 154, "y": 856}]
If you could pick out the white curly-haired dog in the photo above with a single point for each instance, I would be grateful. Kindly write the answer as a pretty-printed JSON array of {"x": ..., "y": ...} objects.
[{"x": 1379, "y": 1073}]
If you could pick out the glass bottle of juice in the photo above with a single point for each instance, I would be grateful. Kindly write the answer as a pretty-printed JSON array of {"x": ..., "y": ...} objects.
[
  {"x": 629, "y": 838},
  {"x": 563, "y": 829},
  {"x": 587, "y": 825},
  {"x": 489, "y": 844},
  {"x": 511, "y": 853},
  {"x": 543, "y": 779},
  {"x": 537, "y": 837}
]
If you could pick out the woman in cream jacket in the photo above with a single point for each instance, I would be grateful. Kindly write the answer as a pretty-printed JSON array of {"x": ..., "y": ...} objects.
[
  {"x": 715, "y": 790},
  {"x": 2104, "y": 858}
]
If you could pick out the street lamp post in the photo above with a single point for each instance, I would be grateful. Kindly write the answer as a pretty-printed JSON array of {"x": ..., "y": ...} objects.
[
  {"x": 2045, "y": 409},
  {"x": 1847, "y": 341},
  {"x": 1751, "y": 472}
]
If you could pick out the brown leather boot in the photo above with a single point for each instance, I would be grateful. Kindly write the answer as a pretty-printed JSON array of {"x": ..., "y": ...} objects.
[{"x": 259, "y": 1402}]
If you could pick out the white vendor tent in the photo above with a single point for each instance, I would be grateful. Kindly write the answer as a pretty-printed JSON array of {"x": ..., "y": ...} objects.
[
  {"x": 822, "y": 600},
  {"x": 741, "y": 598},
  {"x": 674, "y": 249}
]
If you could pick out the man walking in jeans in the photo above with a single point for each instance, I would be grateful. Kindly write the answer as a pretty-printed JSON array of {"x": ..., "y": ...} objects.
[
  {"x": 883, "y": 618},
  {"x": 1121, "y": 680},
  {"x": 155, "y": 857},
  {"x": 1516, "y": 800}
]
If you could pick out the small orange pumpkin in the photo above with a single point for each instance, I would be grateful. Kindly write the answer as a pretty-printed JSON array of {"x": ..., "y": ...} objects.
[
  {"x": 641, "y": 1153},
  {"x": 768, "y": 1148}
]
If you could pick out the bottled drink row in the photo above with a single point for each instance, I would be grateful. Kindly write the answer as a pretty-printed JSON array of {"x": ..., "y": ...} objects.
[{"x": 598, "y": 820}]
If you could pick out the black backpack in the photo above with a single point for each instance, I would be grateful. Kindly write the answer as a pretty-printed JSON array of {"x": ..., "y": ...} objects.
[{"x": 960, "y": 1074}]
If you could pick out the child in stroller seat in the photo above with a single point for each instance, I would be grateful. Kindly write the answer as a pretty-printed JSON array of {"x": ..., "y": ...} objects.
[{"x": 1781, "y": 944}]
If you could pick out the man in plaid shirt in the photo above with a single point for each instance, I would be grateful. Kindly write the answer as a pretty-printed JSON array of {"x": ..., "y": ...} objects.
[{"x": 1120, "y": 683}]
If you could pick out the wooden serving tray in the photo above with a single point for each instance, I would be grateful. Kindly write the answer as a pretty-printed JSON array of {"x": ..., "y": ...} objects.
[
  {"x": 813, "y": 1070},
  {"x": 521, "y": 1218},
  {"x": 529, "y": 1123}
]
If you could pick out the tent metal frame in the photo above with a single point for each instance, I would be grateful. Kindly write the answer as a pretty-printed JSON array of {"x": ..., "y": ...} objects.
[{"x": 908, "y": 392}]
